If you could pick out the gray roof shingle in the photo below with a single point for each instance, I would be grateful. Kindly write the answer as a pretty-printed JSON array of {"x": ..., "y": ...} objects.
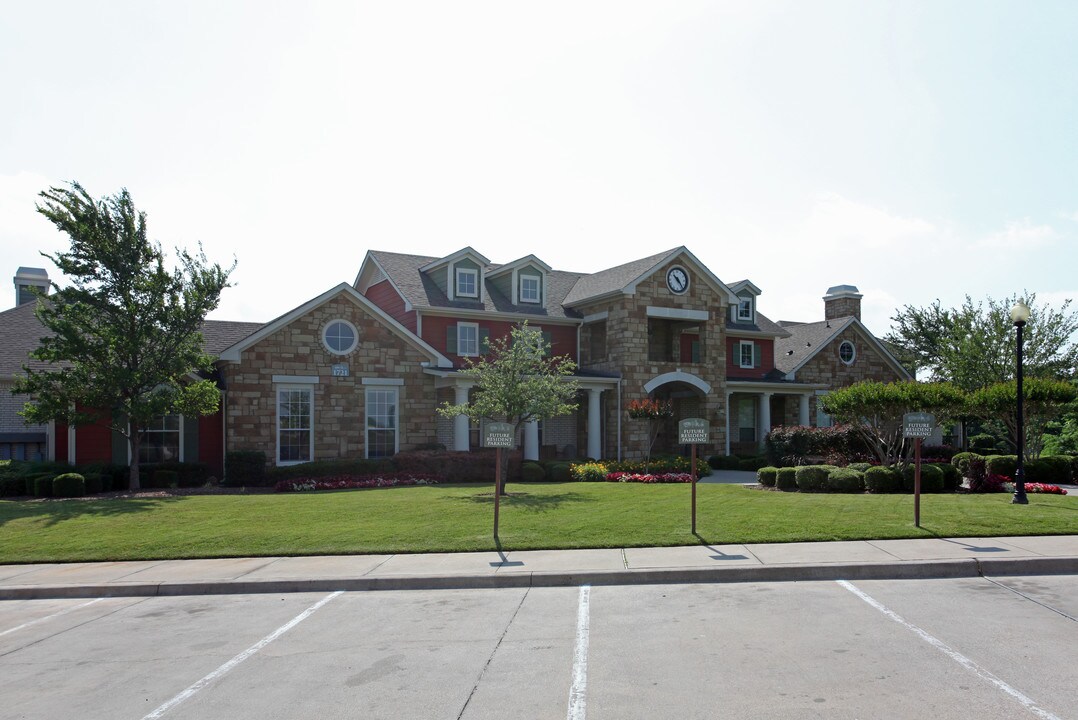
[
  {"x": 615, "y": 278},
  {"x": 804, "y": 339}
]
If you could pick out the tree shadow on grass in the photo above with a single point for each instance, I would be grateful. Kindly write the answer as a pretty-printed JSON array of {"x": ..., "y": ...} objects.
[
  {"x": 52, "y": 513},
  {"x": 529, "y": 502}
]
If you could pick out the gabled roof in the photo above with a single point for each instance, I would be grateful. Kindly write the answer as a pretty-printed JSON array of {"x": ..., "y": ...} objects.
[
  {"x": 763, "y": 325},
  {"x": 805, "y": 340},
  {"x": 419, "y": 291},
  {"x": 624, "y": 278},
  {"x": 462, "y": 253},
  {"x": 517, "y": 264},
  {"x": 20, "y": 333},
  {"x": 746, "y": 285},
  {"x": 233, "y": 353}
]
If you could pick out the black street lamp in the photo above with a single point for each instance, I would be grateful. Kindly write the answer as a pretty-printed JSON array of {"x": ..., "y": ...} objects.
[{"x": 1019, "y": 315}]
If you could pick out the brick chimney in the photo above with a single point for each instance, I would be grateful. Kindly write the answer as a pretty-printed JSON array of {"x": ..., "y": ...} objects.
[
  {"x": 27, "y": 278},
  {"x": 842, "y": 301}
]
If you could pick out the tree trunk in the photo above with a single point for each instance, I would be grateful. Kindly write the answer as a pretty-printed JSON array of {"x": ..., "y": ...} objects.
[{"x": 134, "y": 443}]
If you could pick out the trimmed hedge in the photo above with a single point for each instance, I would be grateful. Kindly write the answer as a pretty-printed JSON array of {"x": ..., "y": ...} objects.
[
  {"x": 860, "y": 467},
  {"x": 329, "y": 468},
  {"x": 68, "y": 485},
  {"x": 164, "y": 479},
  {"x": 532, "y": 472},
  {"x": 931, "y": 478},
  {"x": 846, "y": 480},
  {"x": 1001, "y": 465},
  {"x": 180, "y": 474},
  {"x": 812, "y": 478},
  {"x": 246, "y": 468},
  {"x": 766, "y": 476},
  {"x": 558, "y": 472},
  {"x": 883, "y": 480},
  {"x": 786, "y": 478},
  {"x": 42, "y": 485},
  {"x": 952, "y": 479},
  {"x": 1061, "y": 468},
  {"x": 455, "y": 467},
  {"x": 750, "y": 464}
]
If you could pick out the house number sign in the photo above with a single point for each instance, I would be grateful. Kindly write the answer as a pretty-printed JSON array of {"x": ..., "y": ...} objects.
[{"x": 340, "y": 370}]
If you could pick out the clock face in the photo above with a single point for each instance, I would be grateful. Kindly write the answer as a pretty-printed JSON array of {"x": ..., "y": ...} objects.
[{"x": 677, "y": 280}]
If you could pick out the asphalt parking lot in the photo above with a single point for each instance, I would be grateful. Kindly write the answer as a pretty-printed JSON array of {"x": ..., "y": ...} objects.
[{"x": 981, "y": 647}]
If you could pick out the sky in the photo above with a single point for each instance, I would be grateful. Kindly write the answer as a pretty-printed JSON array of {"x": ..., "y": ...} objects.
[{"x": 918, "y": 150}]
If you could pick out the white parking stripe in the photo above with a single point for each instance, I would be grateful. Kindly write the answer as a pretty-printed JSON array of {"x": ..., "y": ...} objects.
[
  {"x": 189, "y": 692},
  {"x": 953, "y": 654},
  {"x": 50, "y": 617},
  {"x": 578, "y": 691}
]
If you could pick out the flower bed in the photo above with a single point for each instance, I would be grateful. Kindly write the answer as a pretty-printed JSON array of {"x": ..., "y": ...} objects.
[
  {"x": 1001, "y": 483},
  {"x": 350, "y": 482},
  {"x": 1044, "y": 488},
  {"x": 649, "y": 478}
]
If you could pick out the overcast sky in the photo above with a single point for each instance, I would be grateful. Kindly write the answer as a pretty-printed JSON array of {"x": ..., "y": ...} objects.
[{"x": 917, "y": 150}]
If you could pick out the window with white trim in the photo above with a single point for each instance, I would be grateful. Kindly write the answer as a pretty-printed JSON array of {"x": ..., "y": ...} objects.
[
  {"x": 382, "y": 422},
  {"x": 746, "y": 353},
  {"x": 530, "y": 288},
  {"x": 340, "y": 337},
  {"x": 295, "y": 425},
  {"x": 468, "y": 339},
  {"x": 846, "y": 352},
  {"x": 467, "y": 282},
  {"x": 160, "y": 440},
  {"x": 744, "y": 309},
  {"x": 746, "y": 420}
]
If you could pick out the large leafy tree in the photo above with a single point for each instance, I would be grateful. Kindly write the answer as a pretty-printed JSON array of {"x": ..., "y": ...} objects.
[
  {"x": 124, "y": 345},
  {"x": 973, "y": 346},
  {"x": 875, "y": 410},
  {"x": 517, "y": 381},
  {"x": 1042, "y": 402}
]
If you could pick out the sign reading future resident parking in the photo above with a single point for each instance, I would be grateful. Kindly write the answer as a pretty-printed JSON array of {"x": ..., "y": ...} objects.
[
  {"x": 498, "y": 435},
  {"x": 918, "y": 425},
  {"x": 692, "y": 431}
]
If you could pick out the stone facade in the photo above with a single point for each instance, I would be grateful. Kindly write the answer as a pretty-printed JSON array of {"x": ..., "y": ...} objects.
[
  {"x": 296, "y": 350},
  {"x": 828, "y": 368}
]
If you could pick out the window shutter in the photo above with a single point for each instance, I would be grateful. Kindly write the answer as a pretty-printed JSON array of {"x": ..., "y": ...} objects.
[
  {"x": 694, "y": 352},
  {"x": 451, "y": 339},
  {"x": 757, "y": 361},
  {"x": 548, "y": 343},
  {"x": 484, "y": 341}
]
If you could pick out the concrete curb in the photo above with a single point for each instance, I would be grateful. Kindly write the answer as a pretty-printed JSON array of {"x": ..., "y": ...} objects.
[{"x": 910, "y": 570}]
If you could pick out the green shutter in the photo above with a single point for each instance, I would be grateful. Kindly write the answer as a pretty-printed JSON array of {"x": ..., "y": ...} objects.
[
  {"x": 548, "y": 343},
  {"x": 190, "y": 439},
  {"x": 484, "y": 341},
  {"x": 120, "y": 445},
  {"x": 451, "y": 339},
  {"x": 694, "y": 352},
  {"x": 757, "y": 361}
]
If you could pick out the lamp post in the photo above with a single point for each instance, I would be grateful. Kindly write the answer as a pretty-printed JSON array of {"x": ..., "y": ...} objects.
[{"x": 1019, "y": 316}]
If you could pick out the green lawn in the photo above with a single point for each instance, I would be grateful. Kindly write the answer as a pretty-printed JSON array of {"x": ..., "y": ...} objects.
[{"x": 459, "y": 517}]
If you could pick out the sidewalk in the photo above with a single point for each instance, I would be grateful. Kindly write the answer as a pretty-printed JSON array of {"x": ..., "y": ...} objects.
[{"x": 856, "y": 560}]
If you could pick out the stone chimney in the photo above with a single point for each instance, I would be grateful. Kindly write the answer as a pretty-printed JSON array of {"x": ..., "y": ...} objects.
[
  {"x": 842, "y": 301},
  {"x": 28, "y": 278}
]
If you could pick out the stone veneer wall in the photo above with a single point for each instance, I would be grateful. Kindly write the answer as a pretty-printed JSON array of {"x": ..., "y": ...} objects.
[
  {"x": 339, "y": 415},
  {"x": 627, "y": 353},
  {"x": 826, "y": 367},
  {"x": 842, "y": 307}
]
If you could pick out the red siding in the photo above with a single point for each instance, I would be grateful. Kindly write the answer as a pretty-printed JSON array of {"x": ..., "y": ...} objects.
[
  {"x": 61, "y": 442},
  {"x": 211, "y": 443},
  {"x": 93, "y": 444},
  {"x": 733, "y": 358},
  {"x": 386, "y": 297},
  {"x": 687, "y": 339},
  {"x": 562, "y": 337}
]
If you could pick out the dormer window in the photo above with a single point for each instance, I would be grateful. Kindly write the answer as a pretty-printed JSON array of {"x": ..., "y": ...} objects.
[
  {"x": 744, "y": 309},
  {"x": 467, "y": 283},
  {"x": 530, "y": 288}
]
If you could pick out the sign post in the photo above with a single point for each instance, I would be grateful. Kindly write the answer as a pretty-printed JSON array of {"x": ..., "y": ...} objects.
[
  {"x": 499, "y": 436},
  {"x": 917, "y": 426},
  {"x": 692, "y": 431}
]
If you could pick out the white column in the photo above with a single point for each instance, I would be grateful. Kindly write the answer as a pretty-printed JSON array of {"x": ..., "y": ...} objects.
[
  {"x": 765, "y": 417},
  {"x": 803, "y": 411},
  {"x": 531, "y": 440},
  {"x": 460, "y": 422},
  {"x": 595, "y": 445},
  {"x": 728, "y": 410}
]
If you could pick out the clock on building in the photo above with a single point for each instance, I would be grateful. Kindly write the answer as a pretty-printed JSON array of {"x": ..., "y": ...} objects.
[{"x": 677, "y": 280}]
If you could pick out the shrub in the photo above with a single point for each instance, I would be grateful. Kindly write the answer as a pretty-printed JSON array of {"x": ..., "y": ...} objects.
[
  {"x": 559, "y": 472},
  {"x": 792, "y": 445},
  {"x": 883, "y": 480},
  {"x": 477, "y": 466},
  {"x": 532, "y": 472},
  {"x": 42, "y": 485},
  {"x": 660, "y": 464},
  {"x": 766, "y": 476},
  {"x": 984, "y": 443},
  {"x": 931, "y": 478},
  {"x": 989, "y": 484},
  {"x": 752, "y": 463},
  {"x": 1001, "y": 465},
  {"x": 812, "y": 478},
  {"x": 859, "y": 467},
  {"x": 164, "y": 479},
  {"x": 724, "y": 462},
  {"x": 12, "y": 486},
  {"x": 943, "y": 452},
  {"x": 353, "y": 482},
  {"x": 786, "y": 478},
  {"x": 1059, "y": 468},
  {"x": 94, "y": 483},
  {"x": 649, "y": 478},
  {"x": 112, "y": 476},
  {"x": 952, "y": 479},
  {"x": 846, "y": 480},
  {"x": 328, "y": 468},
  {"x": 589, "y": 471},
  {"x": 962, "y": 460},
  {"x": 68, "y": 485},
  {"x": 245, "y": 467}
]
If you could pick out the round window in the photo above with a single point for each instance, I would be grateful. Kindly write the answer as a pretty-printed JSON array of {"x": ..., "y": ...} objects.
[
  {"x": 340, "y": 337},
  {"x": 846, "y": 352}
]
